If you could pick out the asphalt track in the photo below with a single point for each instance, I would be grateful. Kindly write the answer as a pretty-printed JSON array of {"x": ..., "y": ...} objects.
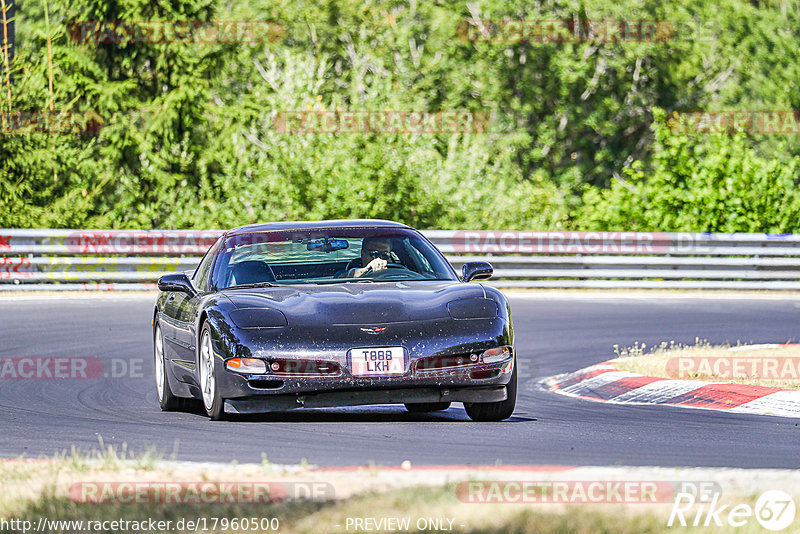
[{"x": 555, "y": 334}]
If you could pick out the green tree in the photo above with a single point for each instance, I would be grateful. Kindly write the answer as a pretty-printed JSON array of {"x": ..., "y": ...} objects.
[{"x": 709, "y": 183}]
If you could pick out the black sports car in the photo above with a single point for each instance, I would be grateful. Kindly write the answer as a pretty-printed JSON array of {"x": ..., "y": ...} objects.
[{"x": 333, "y": 313}]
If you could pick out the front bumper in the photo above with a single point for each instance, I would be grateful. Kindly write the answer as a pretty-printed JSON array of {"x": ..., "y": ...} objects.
[
  {"x": 235, "y": 385},
  {"x": 329, "y": 399},
  {"x": 445, "y": 338}
]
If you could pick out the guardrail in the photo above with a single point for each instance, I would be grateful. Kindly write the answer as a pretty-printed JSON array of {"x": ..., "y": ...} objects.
[{"x": 134, "y": 259}]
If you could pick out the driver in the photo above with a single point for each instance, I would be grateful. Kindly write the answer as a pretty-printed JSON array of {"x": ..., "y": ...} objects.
[{"x": 376, "y": 252}]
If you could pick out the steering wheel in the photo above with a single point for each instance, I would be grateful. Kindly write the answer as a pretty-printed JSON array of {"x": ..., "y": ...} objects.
[
  {"x": 391, "y": 270},
  {"x": 389, "y": 265}
]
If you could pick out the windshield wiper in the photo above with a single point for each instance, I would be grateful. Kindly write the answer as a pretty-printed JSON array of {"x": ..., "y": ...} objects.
[
  {"x": 339, "y": 281},
  {"x": 254, "y": 284}
]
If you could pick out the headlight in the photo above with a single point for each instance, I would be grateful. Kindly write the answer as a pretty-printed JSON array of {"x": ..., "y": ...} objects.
[
  {"x": 472, "y": 308},
  {"x": 258, "y": 318},
  {"x": 247, "y": 365},
  {"x": 497, "y": 354}
]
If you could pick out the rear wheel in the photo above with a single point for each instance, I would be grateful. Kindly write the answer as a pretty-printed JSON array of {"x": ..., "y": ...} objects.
[
  {"x": 424, "y": 407},
  {"x": 495, "y": 411},
  {"x": 166, "y": 399},
  {"x": 212, "y": 401}
]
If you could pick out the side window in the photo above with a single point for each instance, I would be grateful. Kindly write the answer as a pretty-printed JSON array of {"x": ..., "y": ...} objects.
[
  {"x": 419, "y": 259},
  {"x": 200, "y": 278}
]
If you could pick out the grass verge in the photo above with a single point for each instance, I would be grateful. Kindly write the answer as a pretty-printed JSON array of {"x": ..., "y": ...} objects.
[
  {"x": 758, "y": 365},
  {"x": 422, "y": 500}
]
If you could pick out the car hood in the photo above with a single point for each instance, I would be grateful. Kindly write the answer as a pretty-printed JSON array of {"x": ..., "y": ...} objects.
[{"x": 358, "y": 303}]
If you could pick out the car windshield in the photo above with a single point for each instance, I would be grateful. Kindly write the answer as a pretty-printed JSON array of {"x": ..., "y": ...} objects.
[{"x": 328, "y": 256}]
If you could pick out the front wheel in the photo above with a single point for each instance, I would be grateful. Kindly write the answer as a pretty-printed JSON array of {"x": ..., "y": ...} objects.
[
  {"x": 212, "y": 401},
  {"x": 166, "y": 399},
  {"x": 495, "y": 411}
]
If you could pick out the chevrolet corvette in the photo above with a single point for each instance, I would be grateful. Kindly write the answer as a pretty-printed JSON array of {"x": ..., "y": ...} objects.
[{"x": 287, "y": 315}]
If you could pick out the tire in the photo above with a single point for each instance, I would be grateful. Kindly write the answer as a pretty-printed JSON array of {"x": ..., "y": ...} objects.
[
  {"x": 166, "y": 399},
  {"x": 213, "y": 403},
  {"x": 424, "y": 407},
  {"x": 495, "y": 411}
]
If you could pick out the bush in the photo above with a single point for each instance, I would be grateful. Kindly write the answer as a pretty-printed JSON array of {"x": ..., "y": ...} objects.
[{"x": 708, "y": 183}]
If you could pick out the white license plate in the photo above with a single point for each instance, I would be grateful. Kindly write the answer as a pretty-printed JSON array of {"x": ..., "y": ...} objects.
[{"x": 378, "y": 361}]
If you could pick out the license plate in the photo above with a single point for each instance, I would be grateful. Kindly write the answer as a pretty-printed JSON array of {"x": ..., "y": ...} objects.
[{"x": 378, "y": 361}]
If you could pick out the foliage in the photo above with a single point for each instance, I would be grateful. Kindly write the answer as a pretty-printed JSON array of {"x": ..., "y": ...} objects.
[
  {"x": 721, "y": 185},
  {"x": 189, "y": 138}
]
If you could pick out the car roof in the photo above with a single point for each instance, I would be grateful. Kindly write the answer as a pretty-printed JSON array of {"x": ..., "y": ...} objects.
[{"x": 314, "y": 225}]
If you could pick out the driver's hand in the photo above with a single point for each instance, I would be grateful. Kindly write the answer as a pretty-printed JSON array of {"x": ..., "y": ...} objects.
[{"x": 377, "y": 264}]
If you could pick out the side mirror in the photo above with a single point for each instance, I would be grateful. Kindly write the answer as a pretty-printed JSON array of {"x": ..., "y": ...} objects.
[
  {"x": 476, "y": 270},
  {"x": 176, "y": 282}
]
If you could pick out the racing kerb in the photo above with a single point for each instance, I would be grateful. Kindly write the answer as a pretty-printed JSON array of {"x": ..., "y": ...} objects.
[{"x": 38, "y": 259}]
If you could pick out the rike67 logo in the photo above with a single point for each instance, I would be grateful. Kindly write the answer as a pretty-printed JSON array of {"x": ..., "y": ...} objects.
[{"x": 774, "y": 510}]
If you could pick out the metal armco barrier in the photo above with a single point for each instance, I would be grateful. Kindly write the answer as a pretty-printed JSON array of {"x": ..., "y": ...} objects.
[{"x": 134, "y": 259}]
